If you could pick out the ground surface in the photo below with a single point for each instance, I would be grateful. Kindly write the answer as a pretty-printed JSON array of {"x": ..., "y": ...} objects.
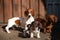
[{"x": 15, "y": 35}]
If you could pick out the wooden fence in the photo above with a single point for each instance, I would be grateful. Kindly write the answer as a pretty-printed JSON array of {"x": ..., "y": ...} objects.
[{"x": 16, "y": 8}]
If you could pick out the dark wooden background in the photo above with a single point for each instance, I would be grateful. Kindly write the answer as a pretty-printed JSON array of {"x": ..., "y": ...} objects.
[{"x": 15, "y": 8}]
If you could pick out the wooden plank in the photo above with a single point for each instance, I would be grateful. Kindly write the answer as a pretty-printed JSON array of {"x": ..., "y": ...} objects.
[
  {"x": 25, "y": 4},
  {"x": 7, "y": 9},
  {"x": 42, "y": 9},
  {"x": 17, "y": 8},
  {"x": 34, "y": 5},
  {"x": 20, "y": 8},
  {"x": 1, "y": 10}
]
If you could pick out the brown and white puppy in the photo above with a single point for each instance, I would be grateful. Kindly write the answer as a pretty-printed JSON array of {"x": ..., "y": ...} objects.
[
  {"x": 43, "y": 22},
  {"x": 35, "y": 29},
  {"x": 13, "y": 21},
  {"x": 29, "y": 16},
  {"x": 17, "y": 21}
]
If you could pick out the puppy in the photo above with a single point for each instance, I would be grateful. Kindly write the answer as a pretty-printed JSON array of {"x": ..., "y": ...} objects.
[
  {"x": 43, "y": 22},
  {"x": 28, "y": 14},
  {"x": 17, "y": 21},
  {"x": 35, "y": 29},
  {"x": 51, "y": 20}
]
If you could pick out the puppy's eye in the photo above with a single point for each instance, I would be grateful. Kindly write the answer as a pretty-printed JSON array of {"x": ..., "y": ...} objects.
[{"x": 29, "y": 16}]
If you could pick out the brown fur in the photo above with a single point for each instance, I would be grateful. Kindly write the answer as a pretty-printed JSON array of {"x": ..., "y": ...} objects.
[
  {"x": 29, "y": 10},
  {"x": 43, "y": 22},
  {"x": 52, "y": 19},
  {"x": 17, "y": 22},
  {"x": 34, "y": 25},
  {"x": 49, "y": 28},
  {"x": 48, "y": 23}
]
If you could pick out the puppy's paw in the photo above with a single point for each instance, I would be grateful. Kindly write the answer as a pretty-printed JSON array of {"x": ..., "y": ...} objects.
[
  {"x": 8, "y": 32},
  {"x": 38, "y": 37}
]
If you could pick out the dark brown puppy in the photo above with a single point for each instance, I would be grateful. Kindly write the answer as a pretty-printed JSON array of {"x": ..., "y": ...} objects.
[{"x": 51, "y": 19}]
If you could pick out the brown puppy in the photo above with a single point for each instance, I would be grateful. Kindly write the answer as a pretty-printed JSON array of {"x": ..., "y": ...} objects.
[{"x": 51, "y": 19}]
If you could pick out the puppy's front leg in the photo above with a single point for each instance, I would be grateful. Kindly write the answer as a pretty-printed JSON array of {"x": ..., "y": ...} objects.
[
  {"x": 7, "y": 29},
  {"x": 31, "y": 35},
  {"x": 38, "y": 34}
]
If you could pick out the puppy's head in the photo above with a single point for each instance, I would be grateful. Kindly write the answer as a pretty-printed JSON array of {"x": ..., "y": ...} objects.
[
  {"x": 53, "y": 18},
  {"x": 34, "y": 25},
  {"x": 29, "y": 11}
]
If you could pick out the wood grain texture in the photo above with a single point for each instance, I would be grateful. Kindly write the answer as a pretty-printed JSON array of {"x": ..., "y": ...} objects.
[
  {"x": 25, "y": 4},
  {"x": 16, "y": 8},
  {"x": 34, "y": 5},
  {"x": 7, "y": 9},
  {"x": 1, "y": 10},
  {"x": 42, "y": 9}
]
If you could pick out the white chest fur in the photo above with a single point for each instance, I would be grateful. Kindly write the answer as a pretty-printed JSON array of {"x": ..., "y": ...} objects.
[{"x": 30, "y": 20}]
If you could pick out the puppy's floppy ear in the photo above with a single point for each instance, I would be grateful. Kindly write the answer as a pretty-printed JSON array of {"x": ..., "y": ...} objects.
[
  {"x": 26, "y": 12},
  {"x": 31, "y": 11}
]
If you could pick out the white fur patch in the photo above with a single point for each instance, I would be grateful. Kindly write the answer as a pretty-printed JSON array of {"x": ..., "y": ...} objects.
[
  {"x": 36, "y": 33},
  {"x": 11, "y": 22},
  {"x": 30, "y": 20},
  {"x": 31, "y": 35}
]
